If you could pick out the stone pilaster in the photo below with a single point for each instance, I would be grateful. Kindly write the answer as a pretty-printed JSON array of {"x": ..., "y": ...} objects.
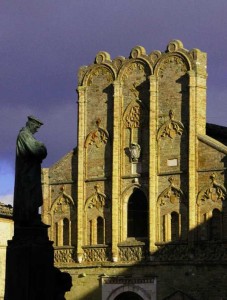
[
  {"x": 192, "y": 155},
  {"x": 152, "y": 164},
  {"x": 201, "y": 87},
  {"x": 46, "y": 196},
  {"x": 116, "y": 170},
  {"x": 80, "y": 170}
]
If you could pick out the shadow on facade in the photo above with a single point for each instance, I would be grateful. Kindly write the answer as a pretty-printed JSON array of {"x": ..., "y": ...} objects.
[{"x": 184, "y": 270}]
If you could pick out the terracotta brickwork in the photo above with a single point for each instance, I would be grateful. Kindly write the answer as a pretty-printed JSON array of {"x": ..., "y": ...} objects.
[{"x": 146, "y": 183}]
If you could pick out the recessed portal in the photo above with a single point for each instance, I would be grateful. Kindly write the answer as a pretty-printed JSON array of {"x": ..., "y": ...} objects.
[{"x": 128, "y": 296}]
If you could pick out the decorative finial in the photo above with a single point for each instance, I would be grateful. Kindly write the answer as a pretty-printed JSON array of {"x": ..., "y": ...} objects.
[
  {"x": 96, "y": 187},
  {"x": 170, "y": 179},
  {"x": 171, "y": 115},
  {"x": 98, "y": 121},
  {"x": 212, "y": 177},
  {"x": 62, "y": 188}
]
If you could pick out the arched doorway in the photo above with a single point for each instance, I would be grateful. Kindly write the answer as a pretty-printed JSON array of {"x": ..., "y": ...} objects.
[{"x": 128, "y": 296}]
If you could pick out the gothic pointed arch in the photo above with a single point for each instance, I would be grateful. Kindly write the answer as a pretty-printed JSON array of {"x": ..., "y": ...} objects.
[
  {"x": 137, "y": 222},
  {"x": 62, "y": 202},
  {"x": 95, "y": 207},
  {"x": 126, "y": 194},
  {"x": 102, "y": 69},
  {"x": 96, "y": 200},
  {"x": 212, "y": 213},
  {"x": 63, "y": 222},
  {"x": 171, "y": 71},
  {"x": 172, "y": 214},
  {"x": 212, "y": 196},
  {"x": 135, "y": 103},
  {"x": 97, "y": 137},
  {"x": 170, "y": 128}
]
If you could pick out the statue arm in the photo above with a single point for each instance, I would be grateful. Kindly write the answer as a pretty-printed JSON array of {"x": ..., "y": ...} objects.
[{"x": 27, "y": 145}]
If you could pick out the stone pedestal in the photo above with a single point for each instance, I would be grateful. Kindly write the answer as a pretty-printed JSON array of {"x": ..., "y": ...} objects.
[{"x": 29, "y": 265}]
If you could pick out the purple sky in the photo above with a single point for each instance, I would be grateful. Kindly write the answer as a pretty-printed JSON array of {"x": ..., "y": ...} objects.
[{"x": 43, "y": 43}]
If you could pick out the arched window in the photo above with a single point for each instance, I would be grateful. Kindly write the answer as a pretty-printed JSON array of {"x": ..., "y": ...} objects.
[
  {"x": 174, "y": 226},
  {"x": 100, "y": 230},
  {"x": 137, "y": 215},
  {"x": 66, "y": 232},
  {"x": 56, "y": 234},
  {"x": 216, "y": 225},
  {"x": 163, "y": 229}
]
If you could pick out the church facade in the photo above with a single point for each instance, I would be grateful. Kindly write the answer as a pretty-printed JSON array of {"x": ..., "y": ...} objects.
[{"x": 137, "y": 210}]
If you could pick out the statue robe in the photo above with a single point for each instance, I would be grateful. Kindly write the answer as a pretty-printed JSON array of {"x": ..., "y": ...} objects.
[{"x": 28, "y": 189}]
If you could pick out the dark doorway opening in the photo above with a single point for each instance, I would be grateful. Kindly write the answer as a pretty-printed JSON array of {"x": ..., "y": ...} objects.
[
  {"x": 137, "y": 215},
  {"x": 128, "y": 296}
]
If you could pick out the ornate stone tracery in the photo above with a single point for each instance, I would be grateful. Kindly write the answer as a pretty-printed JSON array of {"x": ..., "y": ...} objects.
[
  {"x": 96, "y": 207},
  {"x": 132, "y": 253},
  {"x": 172, "y": 195},
  {"x": 94, "y": 254},
  {"x": 215, "y": 193},
  {"x": 62, "y": 214},
  {"x": 97, "y": 200},
  {"x": 98, "y": 137},
  {"x": 170, "y": 128},
  {"x": 172, "y": 214},
  {"x": 132, "y": 115},
  {"x": 63, "y": 203},
  {"x": 64, "y": 255}
]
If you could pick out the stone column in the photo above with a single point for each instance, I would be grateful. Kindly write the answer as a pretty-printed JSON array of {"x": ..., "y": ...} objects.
[
  {"x": 152, "y": 164},
  {"x": 46, "y": 196},
  {"x": 116, "y": 169},
  {"x": 80, "y": 170},
  {"x": 197, "y": 125},
  {"x": 192, "y": 178}
]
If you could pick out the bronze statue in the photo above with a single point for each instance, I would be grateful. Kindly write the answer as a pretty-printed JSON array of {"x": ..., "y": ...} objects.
[{"x": 28, "y": 190}]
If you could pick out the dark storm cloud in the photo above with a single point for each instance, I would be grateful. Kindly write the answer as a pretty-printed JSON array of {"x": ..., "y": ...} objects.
[{"x": 43, "y": 43}]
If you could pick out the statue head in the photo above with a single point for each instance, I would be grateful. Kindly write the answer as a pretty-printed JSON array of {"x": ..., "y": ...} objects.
[{"x": 33, "y": 124}]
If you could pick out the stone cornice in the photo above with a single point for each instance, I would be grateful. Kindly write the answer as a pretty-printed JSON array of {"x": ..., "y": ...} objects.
[{"x": 212, "y": 143}]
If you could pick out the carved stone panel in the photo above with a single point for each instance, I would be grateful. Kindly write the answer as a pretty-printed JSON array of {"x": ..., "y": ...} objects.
[
  {"x": 96, "y": 200},
  {"x": 211, "y": 196},
  {"x": 172, "y": 214},
  {"x": 132, "y": 253},
  {"x": 170, "y": 128},
  {"x": 97, "y": 137},
  {"x": 64, "y": 255},
  {"x": 95, "y": 254},
  {"x": 132, "y": 115},
  {"x": 136, "y": 101},
  {"x": 97, "y": 152}
]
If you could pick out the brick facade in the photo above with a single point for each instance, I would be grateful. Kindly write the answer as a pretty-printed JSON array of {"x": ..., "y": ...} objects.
[{"x": 143, "y": 195}]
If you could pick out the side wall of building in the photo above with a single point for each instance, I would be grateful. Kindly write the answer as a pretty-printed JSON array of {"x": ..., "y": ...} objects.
[{"x": 6, "y": 233}]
